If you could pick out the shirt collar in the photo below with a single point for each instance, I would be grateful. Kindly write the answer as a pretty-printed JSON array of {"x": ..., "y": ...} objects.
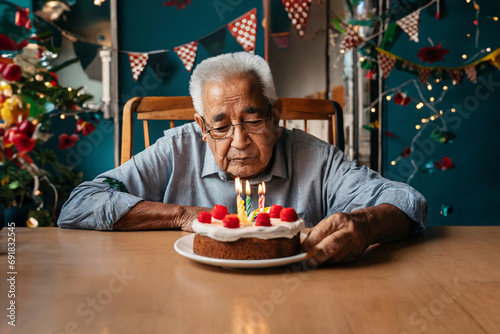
[{"x": 278, "y": 164}]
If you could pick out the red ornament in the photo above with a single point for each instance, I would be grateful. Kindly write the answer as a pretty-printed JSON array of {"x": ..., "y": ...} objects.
[
  {"x": 66, "y": 141},
  {"x": 432, "y": 54},
  {"x": 27, "y": 128},
  {"x": 401, "y": 99},
  {"x": 22, "y": 18},
  {"x": 84, "y": 127},
  {"x": 23, "y": 143},
  {"x": 8, "y": 44},
  {"x": 475, "y": 22},
  {"x": 11, "y": 72},
  {"x": 444, "y": 164}
]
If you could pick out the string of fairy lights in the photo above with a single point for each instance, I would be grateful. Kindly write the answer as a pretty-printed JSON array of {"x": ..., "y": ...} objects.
[{"x": 437, "y": 89}]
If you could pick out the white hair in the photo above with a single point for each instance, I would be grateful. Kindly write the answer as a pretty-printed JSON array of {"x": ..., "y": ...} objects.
[{"x": 228, "y": 66}]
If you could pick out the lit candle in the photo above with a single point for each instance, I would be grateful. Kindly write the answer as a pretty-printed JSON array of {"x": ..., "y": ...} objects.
[
  {"x": 262, "y": 199},
  {"x": 248, "y": 200},
  {"x": 239, "y": 202}
]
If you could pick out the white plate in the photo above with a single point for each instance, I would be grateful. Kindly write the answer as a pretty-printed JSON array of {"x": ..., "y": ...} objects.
[{"x": 184, "y": 246}]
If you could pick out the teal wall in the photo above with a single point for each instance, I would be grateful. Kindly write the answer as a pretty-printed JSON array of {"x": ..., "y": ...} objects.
[
  {"x": 151, "y": 26},
  {"x": 472, "y": 188}
]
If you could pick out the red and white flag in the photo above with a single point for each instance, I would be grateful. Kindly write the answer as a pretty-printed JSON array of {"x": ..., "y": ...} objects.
[
  {"x": 471, "y": 73},
  {"x": 386, "y": 63},
  {"x": 244, "y": 29},
  {"x": 187, "y": 54},
  {"x": 138, "y": 62},
  {"x": 409, "y": 24},
  {"x": 456, "y": 75},
  {"x": 424, "y": 74},
  {"x": 350, "y": 40},
  {"x": 298, "y": 13}
]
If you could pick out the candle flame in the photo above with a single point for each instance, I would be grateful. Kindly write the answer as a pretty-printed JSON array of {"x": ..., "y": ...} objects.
[
  {"x": 238, "y": 187},
  {"x": 260, "y": 189},
  {"x": 263, "y": 188},
  {"x": 247, "y": 188}
]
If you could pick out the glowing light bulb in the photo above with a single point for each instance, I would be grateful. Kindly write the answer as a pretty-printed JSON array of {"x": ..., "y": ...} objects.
[
  {"x": 420, "y": 105},
  {"x": 417, "y": 126},
  {"x": 433, "y": 117},
  {"x": 440, "y": 112},
  {"x": 373, "y": 109},
  {"x": 70, "y": 89},
  {"x": 431, "y": 99},
  {"x": 342, "y": 51},
  {"x": 488, "y": 49},
  {"x": 468, "y": 1},
  {"x": 468, "y": 35},
  {"x": 388, "y": 97},
  {"x": 362, "y": 59},
  {"x": 438, "y": 80},
  {"x": 454, "y": 82},
  {"x": 429, "y": 87},
  {"x": 424, "y": 120},
  {"x": 393, "y": 162},
  {"x": 453, "y": 109},
  {"x": 62, "y": 116},
  {"x": 464, "y": 56},
  {"x": 495, "y": 18},
  {"x": 445, "y": 87}
]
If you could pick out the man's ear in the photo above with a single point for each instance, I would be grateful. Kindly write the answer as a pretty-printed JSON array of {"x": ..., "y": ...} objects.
[
  {"x": 198, "y": 120},
  {"x": 277, "y": 108}
]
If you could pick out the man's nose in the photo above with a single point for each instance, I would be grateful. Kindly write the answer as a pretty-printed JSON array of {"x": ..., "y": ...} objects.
[{"x": 241, "y": 139}]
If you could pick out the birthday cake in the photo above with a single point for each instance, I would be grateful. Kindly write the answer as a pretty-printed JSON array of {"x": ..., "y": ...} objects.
[{"x": 263, "y": 235}]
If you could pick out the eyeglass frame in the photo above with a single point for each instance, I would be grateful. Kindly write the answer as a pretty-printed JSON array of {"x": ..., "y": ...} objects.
[{"x": 242, "y": 125}]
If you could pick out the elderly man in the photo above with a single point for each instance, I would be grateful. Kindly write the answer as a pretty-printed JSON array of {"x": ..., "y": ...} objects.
[{"x": 236, "y": 134}]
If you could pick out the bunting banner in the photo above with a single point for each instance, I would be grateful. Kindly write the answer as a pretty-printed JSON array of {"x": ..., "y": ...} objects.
[
  {"x": 471, "y": 73},
  {"x": 187, "y": 54},
  {"x": 298, "y": 13},
  {"x": 158, "y": 61},
  {"x": 215, "y": 42},
  {"x": 244, "y": 30},
  {"x": 409, "y": 24},
  {"x": 350, "y": 40},
  {"x": 456, "y": 75},
  {"x": 423, "y": 75},
  {"x": 137, "y": 63},
  {"x": 385, "y": 63},
  {"x": 281, "y": 39}
]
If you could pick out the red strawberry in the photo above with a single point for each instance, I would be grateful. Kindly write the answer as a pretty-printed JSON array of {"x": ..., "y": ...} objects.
[
  {"x": 263, "y": 219},
  {"x": 231, "y": 221},
  {"x": 219, "y": 211},
  {"x": 275, "y": 210},
  {"x": 288, "y": 215},
  {"x": 205, "y": 217}
]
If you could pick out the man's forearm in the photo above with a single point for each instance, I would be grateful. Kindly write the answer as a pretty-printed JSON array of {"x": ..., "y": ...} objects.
[
  {"x": 387, "y": 223},
  {"x": 158, "y": 216}
]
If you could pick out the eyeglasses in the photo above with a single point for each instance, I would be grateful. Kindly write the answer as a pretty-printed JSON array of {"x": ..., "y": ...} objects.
[{"x": 252, "y": 126}]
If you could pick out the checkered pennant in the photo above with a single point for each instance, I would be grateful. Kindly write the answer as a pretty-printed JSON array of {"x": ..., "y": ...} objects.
[
  {"x": 244, "y": 29},
  {"x": 351, "y": 39},
  {"x": 456, "y": 75},
  {"x": 298, "y": 13},
  {"x": 137, "y": 63},
  {"x": 409, "y": 24},
  {"x": 423, "y": 74},
  {"x": 386, "y": 63},
  {"x": 471, "y": 73},
  {"x": 187, "y": 54}
]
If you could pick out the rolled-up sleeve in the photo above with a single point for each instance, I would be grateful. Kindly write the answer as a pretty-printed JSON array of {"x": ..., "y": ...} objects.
[{"x": 350, "y": 187}]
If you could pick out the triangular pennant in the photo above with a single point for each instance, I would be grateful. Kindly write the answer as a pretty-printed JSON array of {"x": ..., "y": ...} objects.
[
  {"x": 187, "y": 54},
  {"x": 215, "y": 42},
  {"x": 158, "y": 62},
  {"x": 471, "y": 73},
  {"x": 350, "y": 40},
  {"x": 86, "y": 52},
  {"x": 386, "y": 63},
  {"x": 281, "y": 39},
  {"x": 409, "y": 24},
  {"x": 298, "y": 13},
  {"x": 137, "y": 63},
  {"x": 244, "y": 29},
  {"x": 456, "y": 75},
  {"x": 424, "y": 74}
]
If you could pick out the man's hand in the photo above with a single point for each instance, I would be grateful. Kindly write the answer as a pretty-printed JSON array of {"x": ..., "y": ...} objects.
[
  {"x": 158, "y": 216},
  {"x": 343, "y": 237}
]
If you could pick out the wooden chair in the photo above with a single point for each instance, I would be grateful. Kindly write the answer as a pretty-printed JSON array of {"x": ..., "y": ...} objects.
[{"x": 177, "y": 108}]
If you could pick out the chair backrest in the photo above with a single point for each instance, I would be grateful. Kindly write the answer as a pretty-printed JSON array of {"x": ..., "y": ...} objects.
[{"x": 176, "y": 108}]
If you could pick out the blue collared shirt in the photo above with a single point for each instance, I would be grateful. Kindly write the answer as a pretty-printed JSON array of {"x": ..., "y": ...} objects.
[{"x": 305, "y": 173}]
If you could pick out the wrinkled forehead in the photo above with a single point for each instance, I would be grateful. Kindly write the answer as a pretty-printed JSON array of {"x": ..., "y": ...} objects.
[{"x": 233, "y": 96}]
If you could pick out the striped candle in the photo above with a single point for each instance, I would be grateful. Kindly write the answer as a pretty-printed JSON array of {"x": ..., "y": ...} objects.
[{"x": 248, "y": 199}]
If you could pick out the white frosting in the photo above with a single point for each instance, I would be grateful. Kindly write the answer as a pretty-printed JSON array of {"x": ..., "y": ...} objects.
[{"x": 278, "y": 229}]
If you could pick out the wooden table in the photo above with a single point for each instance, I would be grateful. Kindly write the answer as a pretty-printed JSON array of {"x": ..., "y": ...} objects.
[{"x": 446, "y": 280}]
